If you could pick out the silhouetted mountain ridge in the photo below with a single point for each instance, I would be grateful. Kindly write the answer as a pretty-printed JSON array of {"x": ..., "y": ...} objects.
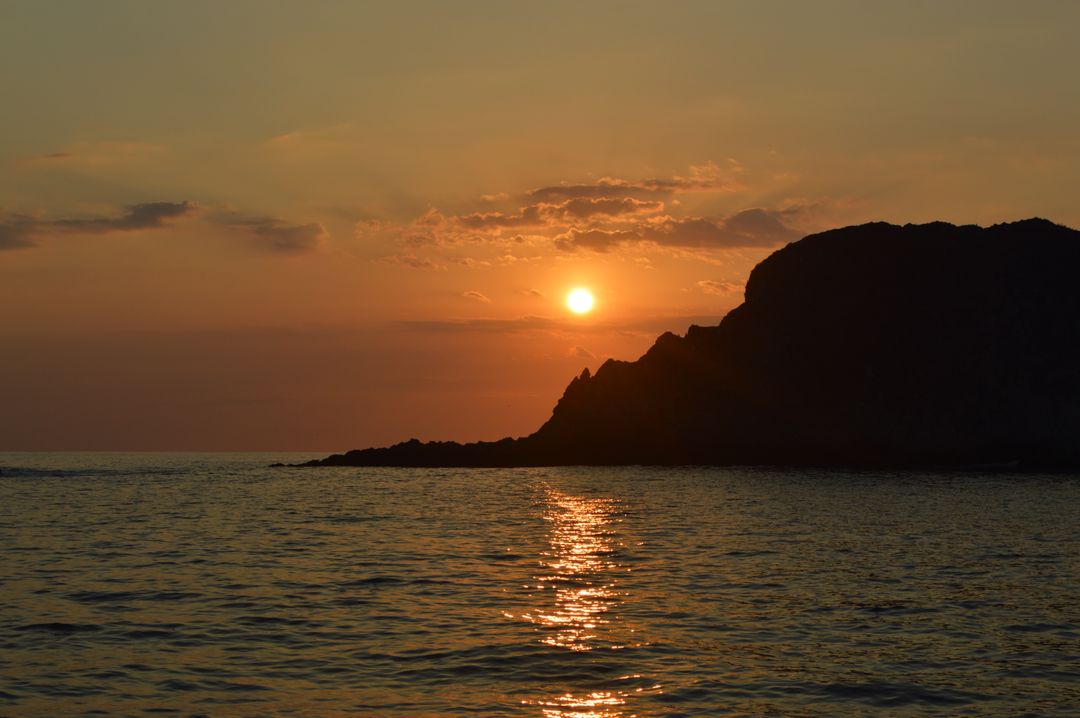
[{"x": 874, "y": 345}]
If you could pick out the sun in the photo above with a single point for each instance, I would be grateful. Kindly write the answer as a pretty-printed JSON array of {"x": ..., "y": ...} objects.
[{"x": 580, "y": 301}]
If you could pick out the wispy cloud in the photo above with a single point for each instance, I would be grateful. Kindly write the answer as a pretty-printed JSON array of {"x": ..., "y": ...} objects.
[
  {"x": 277, "y": 235},
  {"x": 104, "y": 153},
  {"x": 719, "y": 288},
  {"x": 269, "y": 233},
  {"x": 149, "y": 215},
  {"x": 546, "y": 214},
  {"x": 476, "y": 296},
  {"x": 330, "y": 137},
  {"x": 411, "y": 261},
  {"x": 709, "y": 177},
  {"x": 600, "y": 216},
  {"x": 755, "y": 227},
  {"x": 19, "y": 230}
]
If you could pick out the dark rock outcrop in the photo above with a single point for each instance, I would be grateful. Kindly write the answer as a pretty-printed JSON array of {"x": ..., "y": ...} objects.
[{"x": 875, "y": 345}]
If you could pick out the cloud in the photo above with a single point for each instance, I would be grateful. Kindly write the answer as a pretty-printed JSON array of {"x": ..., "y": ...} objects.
[
  {"x": 545, "y": 211},
  {"x": 318, "y": 138},
  {"x": 95, "y": 154},
  {"x": 760, "y": 227},
  {"x": 584, "y": 208},
  {"x": 150, "y": 215},
  {"x": 294, "y": 238},
  {"x": 748, "y": 228},
  {"x": 703, "y": 178},
  {"x": 427, "y": 229},
  {"x": 534, "y": 293},
  {"x": 18, "y": 230},
  {"x": 413, "y": 262},
  {"x": 598, "y": 240},
  {"x": 475, "y": 295},
  {"x": 718, "y": 288},
  {"x": 547, "y": 214},
  {"x": 601, "y": 216},
  {"x": 277, "y": 235},
  {"x": 577, "y": 352},
  {"x": 530, "y": 216}
]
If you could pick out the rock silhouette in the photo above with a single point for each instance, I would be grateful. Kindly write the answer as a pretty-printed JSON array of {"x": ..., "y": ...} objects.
[{"x": 870, "y": 346}]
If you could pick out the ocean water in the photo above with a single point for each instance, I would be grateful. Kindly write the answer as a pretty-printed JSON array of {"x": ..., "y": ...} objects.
[{"x": 211, "y": 585}]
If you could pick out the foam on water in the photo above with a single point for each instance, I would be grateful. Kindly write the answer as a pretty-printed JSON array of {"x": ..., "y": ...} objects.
[{"x": 212, "y": 585}]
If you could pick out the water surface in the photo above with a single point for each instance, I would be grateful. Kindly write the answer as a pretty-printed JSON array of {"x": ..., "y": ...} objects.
[{"x": 153, "y": 584}]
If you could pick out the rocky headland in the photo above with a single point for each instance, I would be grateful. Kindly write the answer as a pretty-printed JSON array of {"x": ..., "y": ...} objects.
[{"x": 877, "y": 345}]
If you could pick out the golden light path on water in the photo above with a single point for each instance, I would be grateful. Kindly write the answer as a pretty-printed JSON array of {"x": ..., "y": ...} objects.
[{"x": 579, "y": 568}]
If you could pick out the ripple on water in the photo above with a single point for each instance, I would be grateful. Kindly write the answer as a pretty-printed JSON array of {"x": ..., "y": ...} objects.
[{"x": 210, "y": 585}]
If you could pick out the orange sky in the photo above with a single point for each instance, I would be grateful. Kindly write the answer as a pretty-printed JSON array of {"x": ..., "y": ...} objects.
[{"x": 323, "y": 226}]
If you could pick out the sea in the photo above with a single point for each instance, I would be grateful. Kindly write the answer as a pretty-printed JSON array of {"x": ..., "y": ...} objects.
[{"x": 215, "y": 585}]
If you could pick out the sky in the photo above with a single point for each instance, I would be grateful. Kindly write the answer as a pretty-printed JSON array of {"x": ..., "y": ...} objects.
[{"x": 320, "y": 226}]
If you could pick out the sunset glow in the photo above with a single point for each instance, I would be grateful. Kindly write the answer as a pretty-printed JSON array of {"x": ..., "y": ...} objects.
[
  {"x": 364, "y": 215},
  {"x": 580, "y": 301},
  {"x": 562, "y": 359}
]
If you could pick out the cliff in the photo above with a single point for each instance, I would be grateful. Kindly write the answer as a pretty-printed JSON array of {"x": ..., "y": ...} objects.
[{"x": 876, "y": 345}]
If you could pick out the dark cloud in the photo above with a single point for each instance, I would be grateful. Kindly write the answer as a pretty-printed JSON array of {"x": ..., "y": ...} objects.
[
  {"x": 602, "y": 216},
  {"x": 413, "y": 262},
  {"x": 749, "y": 228},
  {"x": 19, "y": 230},
  {"x": 586, "y": 207},
  {"x": 280, "y": 237},
  {"x": 548, "y": 214},
  {"x": 760, "y": 227},
  {"x": 430, "y": 228},
  {"x": 530, "y": 216},
  {"x": 149, "y": 215},
  {"x": 705, "y": 178},
  {"x": 533, "y": 293},
  {"x": 598, "y": 240},
  {"x": 16, "y": 232},
  {"x": 275, "y": 235},
  {"x": 610, "y": 204},
  {"x": 590, "y": 191}
]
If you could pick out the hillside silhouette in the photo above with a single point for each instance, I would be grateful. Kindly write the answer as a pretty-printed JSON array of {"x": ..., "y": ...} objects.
[{"x": 875, "y": 345}]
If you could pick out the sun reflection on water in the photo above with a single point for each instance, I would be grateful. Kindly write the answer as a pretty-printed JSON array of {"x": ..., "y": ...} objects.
[
  {"x": 580, "y": 571},
  {"x": 592, "y": 705},
  {"x": 577, "y": 568}
]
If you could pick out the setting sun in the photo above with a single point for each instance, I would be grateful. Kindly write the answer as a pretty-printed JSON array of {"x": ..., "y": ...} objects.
[{"x": 580, "y": 301}]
